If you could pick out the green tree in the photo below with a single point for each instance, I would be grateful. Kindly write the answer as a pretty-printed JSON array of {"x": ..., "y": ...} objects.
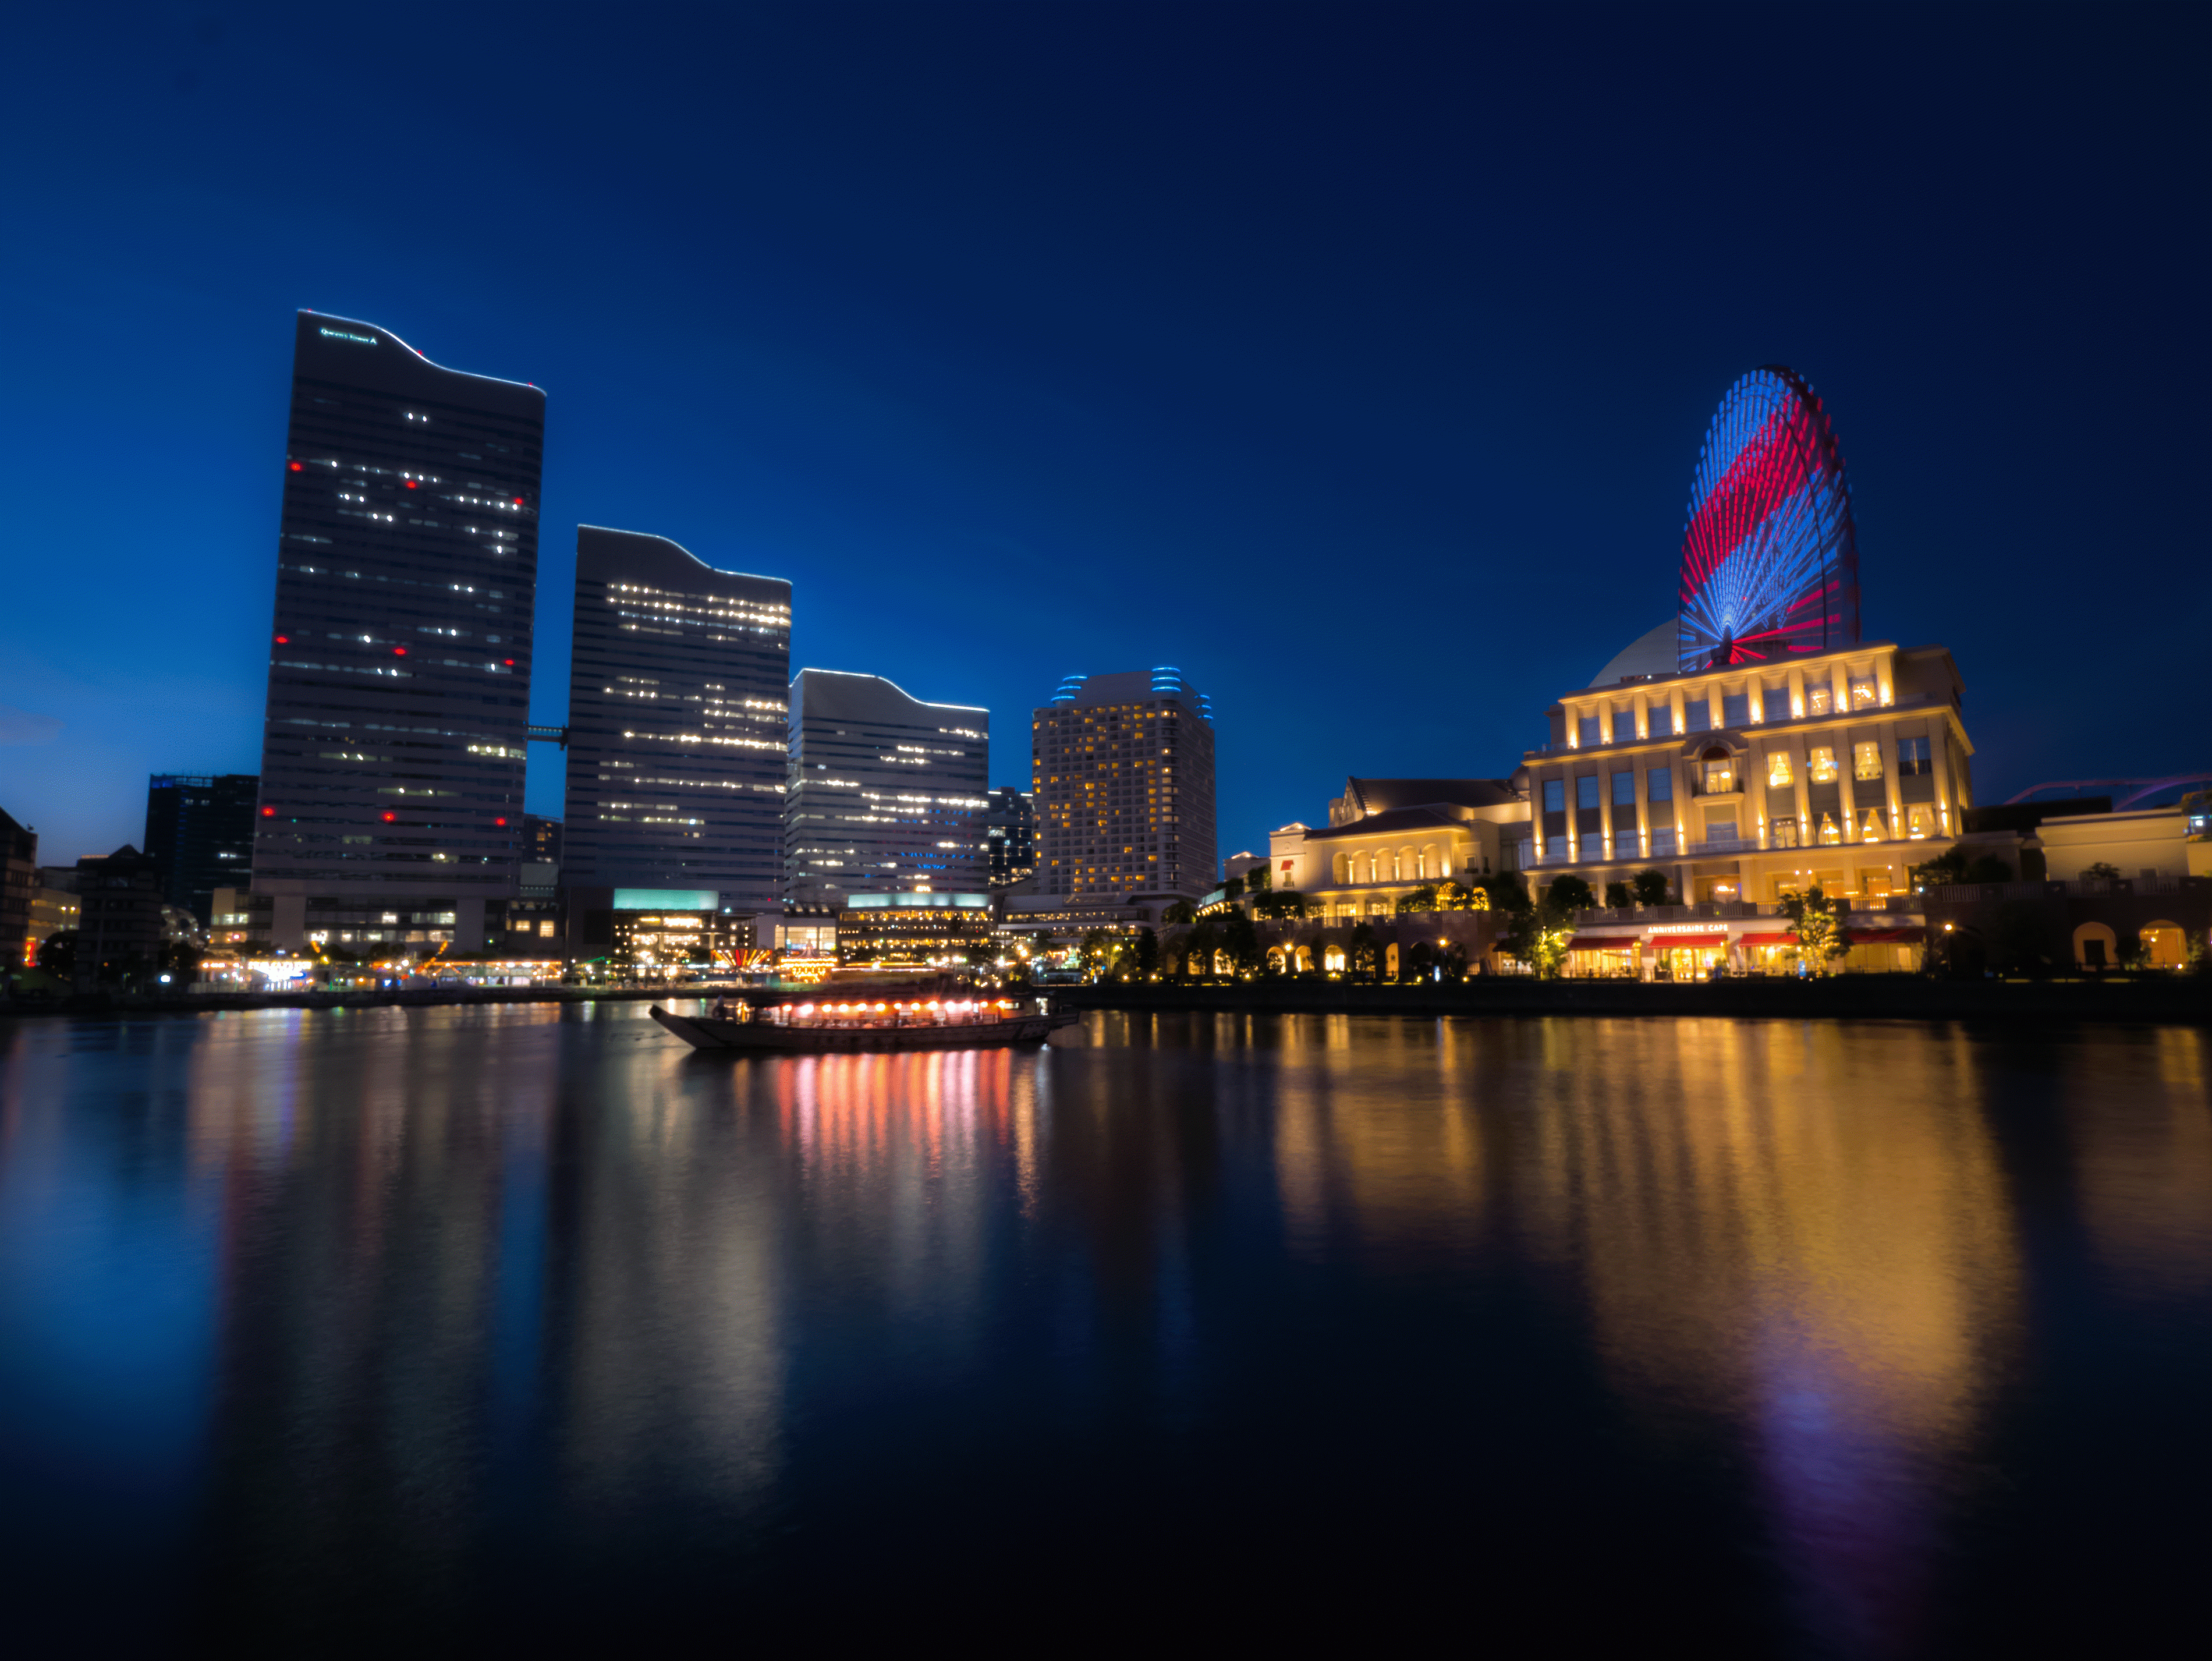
[
  {"x": 1148, "y": 953},
  {"x": 1259, "y": 879},
  {"x": 1241, "y": 941},
  {"x": 1098, "y": 951},
  {"x": 1506, "y": 890},
  {"x": 1360, "y": 956},
  {"x": 1618, "y": 897},
  {"x": 1988, "y": 867},
  {"x": 1287, "y": 903},
  {"x": 1422, "y": 898},
  {"x": 1199, "y": 946},
  {"x": 1179, "y": 913},
  {"x": 2102, "y": 871},
  {"x": 1946, "y": 868},
  {"x": 1419, "y": 962},
  {"x": 1649, "y": 886},
  {"x": 1451, "y": 964},
  {"x": 1816, "y": 928},
  {"x": 57, "y": 953},
  {"x": 1537, "y": 936},
  {"x": 1570, "y": 893},
  {"x": 1456, "y": 897},
  {"x": 1233, "y": 889}
]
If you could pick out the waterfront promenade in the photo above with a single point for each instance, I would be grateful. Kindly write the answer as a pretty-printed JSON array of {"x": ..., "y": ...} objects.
[{"x": 1861, "y": 997}]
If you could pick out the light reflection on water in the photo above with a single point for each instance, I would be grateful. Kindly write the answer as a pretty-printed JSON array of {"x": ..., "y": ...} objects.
[{"x": 319, "y": 1324}]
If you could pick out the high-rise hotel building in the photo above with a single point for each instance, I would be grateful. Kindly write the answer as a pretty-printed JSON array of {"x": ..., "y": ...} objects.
[
  {"x": 1123, "y": 781},
  {"x": 887, "y": 794},
  {"x": 392, "y": 765},
  {"x": 677, "y": 725}
]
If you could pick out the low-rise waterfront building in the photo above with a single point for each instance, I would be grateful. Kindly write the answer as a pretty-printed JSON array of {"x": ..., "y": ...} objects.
[
  {"x": 1387, "y": 838},
  {"x": 121, "y": 925}
]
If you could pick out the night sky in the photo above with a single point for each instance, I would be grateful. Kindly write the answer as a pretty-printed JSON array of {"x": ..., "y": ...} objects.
[{"x": 1353, "y": 359}]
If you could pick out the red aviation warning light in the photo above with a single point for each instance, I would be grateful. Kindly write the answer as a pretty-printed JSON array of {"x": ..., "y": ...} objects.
[
  {"x": 399, "y": 651},
  {"x": 284, "y": 640},
  {"x": 268, "y": 813},
  {"x": 295, "y": 467},
  {"x": 499, "y": 822},
  {"x": 391, "y": 819}
]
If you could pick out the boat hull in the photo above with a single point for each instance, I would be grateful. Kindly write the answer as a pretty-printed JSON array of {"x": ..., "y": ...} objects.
[{"x": 766, "y": 1039}]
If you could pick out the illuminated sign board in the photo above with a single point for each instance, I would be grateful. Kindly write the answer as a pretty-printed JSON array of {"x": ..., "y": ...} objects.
[
  {"x": 347, "y": 334},
  {"x": 666, "y": 899}
]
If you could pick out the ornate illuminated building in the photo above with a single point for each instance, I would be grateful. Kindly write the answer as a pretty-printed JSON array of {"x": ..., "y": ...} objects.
[
  {"x": 399, "y": 657},
  {"x": 1841, "y": 771},
  {"x": 885, "y": 793},
  {"x": 1123, "y": 783},
  {"x": 677, "y": 723}
]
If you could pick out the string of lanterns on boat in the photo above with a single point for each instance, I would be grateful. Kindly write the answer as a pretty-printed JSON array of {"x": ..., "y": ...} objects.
[{"x": 934, "y": 1009}]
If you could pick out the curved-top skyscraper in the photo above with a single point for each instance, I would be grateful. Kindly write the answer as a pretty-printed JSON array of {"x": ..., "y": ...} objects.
[
  {"x": 1769, "y": 558},
  {"x": 391, "y": 763}
]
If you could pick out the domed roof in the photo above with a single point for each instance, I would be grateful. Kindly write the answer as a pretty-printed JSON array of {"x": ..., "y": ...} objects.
[{"x": 1657, "y": 653}]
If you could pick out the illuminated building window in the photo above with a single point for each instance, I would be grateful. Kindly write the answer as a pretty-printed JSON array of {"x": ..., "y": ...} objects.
[
  {"x": 1819, "y": 700},
  {"x": 1866, "y": 761},
  {"x": 1912, "y": 757},
  {"x": 1783, "y": 833},
  {"x": 1863, "y": 693},
  {"x": 1821, "y": 763},
  {"x": 1777, "y": 767}
]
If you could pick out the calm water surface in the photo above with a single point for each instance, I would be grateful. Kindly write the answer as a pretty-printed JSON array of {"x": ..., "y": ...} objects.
[{"x": 326, "y": 1331}]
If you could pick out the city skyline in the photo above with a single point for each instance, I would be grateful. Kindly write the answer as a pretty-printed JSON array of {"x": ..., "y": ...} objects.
[{"x": 1234, "y": 363}]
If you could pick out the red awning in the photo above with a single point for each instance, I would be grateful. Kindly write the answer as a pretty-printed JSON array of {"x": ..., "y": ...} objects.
[
  {"x": 1671, "y": 942},
  {"x": 1767, "y": 939},
  {"x": 1602, "y": 943},
  {"x": 1885, "y": 936}
]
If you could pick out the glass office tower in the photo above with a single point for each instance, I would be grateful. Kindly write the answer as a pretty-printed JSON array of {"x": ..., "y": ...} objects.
[
  {"x": 677, "y": 724},
  {"x": 887, "y": 793},
  {"x": 399, "y": 658},
  {"x": 199, "y": 828}
]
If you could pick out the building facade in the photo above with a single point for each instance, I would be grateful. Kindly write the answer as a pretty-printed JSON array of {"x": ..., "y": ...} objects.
[
  {"x": 915, "y": 929},
  {"x": 1743, "y": 785},
  {"x": 1122, "y": 775},
  {"x": 677, "y": 723},
  {"x": 121, "y": 928},
  {"x": 886, "y": 794},
  {"x": 19, "y": 891},
  {"x": 1386, "y": 838},
  {"x": 1010, "y": 837},
  {"x": 399, "y": 658},
  {"x": 199, "y": 830}
]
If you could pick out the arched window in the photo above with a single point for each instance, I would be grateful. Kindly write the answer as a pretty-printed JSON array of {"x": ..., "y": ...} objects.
[
  {"x": 2095, "y": 946},
  {"x": 1341, "y": 869},
  {"x": 1719, "y": 771},
  {"x": 2164, "y": 946}
]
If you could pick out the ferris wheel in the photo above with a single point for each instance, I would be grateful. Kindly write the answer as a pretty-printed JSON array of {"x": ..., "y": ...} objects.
[{"x": 1770, "y": 560}]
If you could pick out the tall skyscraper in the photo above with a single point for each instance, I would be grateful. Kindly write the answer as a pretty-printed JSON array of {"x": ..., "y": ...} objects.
[
  {"x": 399, "y": 658},
  {"x": 1010, "y": 835},
  {"x": 677, "y": 723},
  {"x": 199, "y": 830},
  {"x": 1123, "y": 778},
  {"x": 886, "y": 794}
]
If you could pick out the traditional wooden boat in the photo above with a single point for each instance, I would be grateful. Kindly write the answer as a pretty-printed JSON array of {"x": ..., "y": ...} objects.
[{"x": 840, "y": 1023}]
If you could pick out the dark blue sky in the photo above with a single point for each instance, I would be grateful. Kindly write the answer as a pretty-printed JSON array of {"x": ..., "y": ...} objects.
[{"x": 1352, "y": 358}]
